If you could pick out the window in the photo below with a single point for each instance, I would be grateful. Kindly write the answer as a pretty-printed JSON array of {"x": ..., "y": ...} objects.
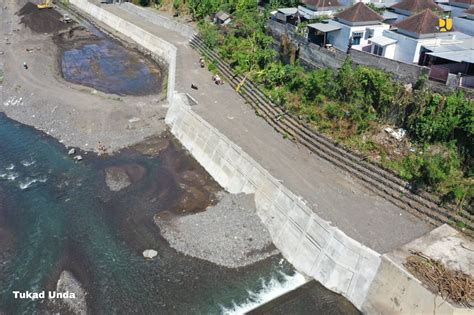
[
  {"x": 378, "y": 50},
  {"x": 356, "y": 36}
]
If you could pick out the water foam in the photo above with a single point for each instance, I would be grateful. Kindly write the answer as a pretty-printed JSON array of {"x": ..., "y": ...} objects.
[
  {"x": 28, "y": 163},
  {"x": 11, "y": 176},
  {"x": 10, "y": 167},
  {"x": 271, "y": 290},
  {"x": 30, "y": 181}
]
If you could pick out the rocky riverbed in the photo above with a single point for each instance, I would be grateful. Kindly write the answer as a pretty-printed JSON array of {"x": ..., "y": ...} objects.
[{"x": 229, "y": 233}]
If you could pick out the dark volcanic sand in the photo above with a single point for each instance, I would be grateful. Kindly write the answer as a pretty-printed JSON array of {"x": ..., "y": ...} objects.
[{"x": 41, "y": 20}]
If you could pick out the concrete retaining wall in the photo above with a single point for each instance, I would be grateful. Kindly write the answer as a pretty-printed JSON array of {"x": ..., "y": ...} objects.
[
  {"x": 311, "y": 244},
  {"x": 402, "y": 71},
  {"x": 149, "y": 41},
  {"x": 158, "y": 19}
]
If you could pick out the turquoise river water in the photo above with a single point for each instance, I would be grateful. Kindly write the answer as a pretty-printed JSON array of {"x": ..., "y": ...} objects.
[{"x": 57, "y": 214}]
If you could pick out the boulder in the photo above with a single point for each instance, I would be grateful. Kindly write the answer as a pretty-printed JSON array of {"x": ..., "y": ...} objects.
[
  {"x": 72, "y": 151},
  {"x": 150, "y": 253},
  {"x": 76, "y": 304},
  {"x": 116, "y": 178},
  {"x": 78, "y": 158}
]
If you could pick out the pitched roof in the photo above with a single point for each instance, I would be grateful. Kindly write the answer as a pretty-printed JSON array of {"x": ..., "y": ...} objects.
[
  {"x": 415, "y": 6},
  {"x": 288, "y": 11},
  {"x": 322, "y": 3},
  {"x": 425, "y": 22},
  {"x": 221, "y": 15},
  {"x": 359, "y": 12}
]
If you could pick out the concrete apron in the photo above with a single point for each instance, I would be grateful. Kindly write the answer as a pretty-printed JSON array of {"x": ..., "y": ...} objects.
[{"x": 375, "y": 284}]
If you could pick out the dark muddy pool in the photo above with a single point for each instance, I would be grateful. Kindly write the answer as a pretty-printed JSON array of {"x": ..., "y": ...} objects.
[{"x": 106, "y": 65}]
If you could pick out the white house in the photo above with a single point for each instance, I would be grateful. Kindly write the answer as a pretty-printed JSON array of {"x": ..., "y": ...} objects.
[
  {"x": 465, "y": 23},
  {"x": 408, "y": 42},
  {"x": 311, "y": 9},
  {"x": 355, "y": 26}
]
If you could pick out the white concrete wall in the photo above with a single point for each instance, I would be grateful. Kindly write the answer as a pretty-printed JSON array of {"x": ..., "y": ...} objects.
[
  {"x": 311, "y": 244},
  {"x": 389, "y": 51},
  {"x": 158, "y": 19},
  {"x": 147, "y": 40},
  {"x": 407, "y": 49}
]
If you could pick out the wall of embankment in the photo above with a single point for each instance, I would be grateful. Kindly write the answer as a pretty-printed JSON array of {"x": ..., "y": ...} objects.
[
  {"x": 153, "y": 43},
  {"x": 375, "y": 284},
  {"x": 311, "y": 244}
]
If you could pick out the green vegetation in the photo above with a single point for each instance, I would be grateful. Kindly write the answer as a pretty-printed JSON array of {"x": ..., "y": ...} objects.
[
  {"x": 379, "y": 10},
  {"x": 354, "y": 104}
]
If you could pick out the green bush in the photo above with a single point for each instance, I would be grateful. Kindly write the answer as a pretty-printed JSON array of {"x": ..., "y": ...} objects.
[{"x": 209, "y": 34}]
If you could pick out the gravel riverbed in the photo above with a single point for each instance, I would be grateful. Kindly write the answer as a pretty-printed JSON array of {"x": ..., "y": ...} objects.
[{"x": 229, "y": 234}]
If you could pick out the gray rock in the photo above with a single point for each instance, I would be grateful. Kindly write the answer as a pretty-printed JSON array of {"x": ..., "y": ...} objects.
[
  {"x": 68, "y": 283},
  {"x": 78, "y": 158},
  {"x": 150, "y": 253},
  {"x": 116, "y": 179},
  {"x": 72, "y": 151}
]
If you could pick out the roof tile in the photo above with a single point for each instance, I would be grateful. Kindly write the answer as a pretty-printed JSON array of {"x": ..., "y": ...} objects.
[
  {"x": 359, "y": 12},
  {"x": 425, "y": 22},
  {"x": 415, "y": 6}
]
